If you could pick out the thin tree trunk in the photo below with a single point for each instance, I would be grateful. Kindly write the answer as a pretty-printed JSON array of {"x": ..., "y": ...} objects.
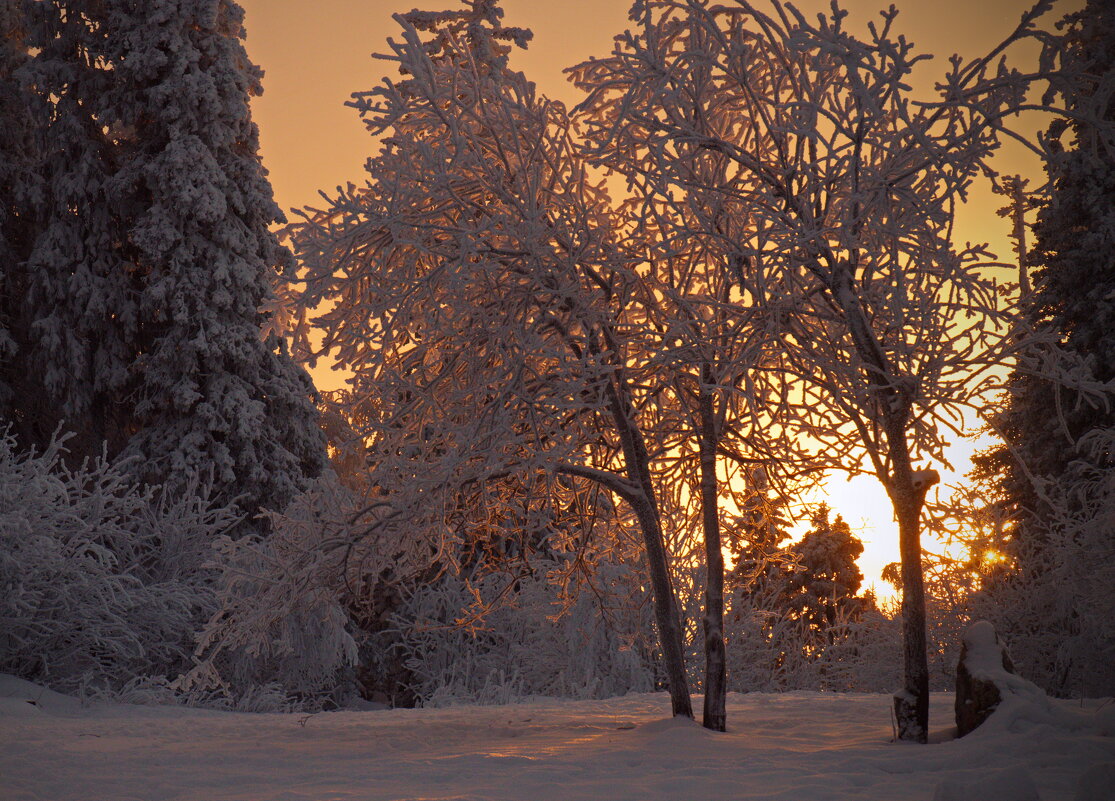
[
  {"x": 911, "y": 705},
  {"x": 665, "y": 606},
  {"x": 714, "y": 715},
  {"x": 665, "y": 610},
  {"x": 907, "y": 493},
  {"x": 637, "y": 461}
]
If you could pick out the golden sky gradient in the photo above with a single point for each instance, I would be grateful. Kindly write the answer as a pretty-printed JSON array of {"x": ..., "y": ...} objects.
[{"x": 316, "y": 54}]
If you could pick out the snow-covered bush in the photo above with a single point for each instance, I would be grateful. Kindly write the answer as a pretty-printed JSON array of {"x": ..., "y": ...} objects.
[
  {"x": 551, "y": 635},
  {"x": 348, "y": 592},
  {"x": 768, "y": 650},
  {"x": 1058, "y": 613},
  {"x": 283, "y": 616},
  {"x": 102, "y": 583}
]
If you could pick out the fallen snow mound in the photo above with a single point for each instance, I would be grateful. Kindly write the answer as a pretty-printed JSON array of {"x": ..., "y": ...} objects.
[
  {"x": 20, "y": 698},
  {"x": 1024, "y": 704}
]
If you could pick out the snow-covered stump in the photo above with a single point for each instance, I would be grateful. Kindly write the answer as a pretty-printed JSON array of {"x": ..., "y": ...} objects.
[
  {"x": 906, "y": 717},
  {"x": 980, "y": 676}
]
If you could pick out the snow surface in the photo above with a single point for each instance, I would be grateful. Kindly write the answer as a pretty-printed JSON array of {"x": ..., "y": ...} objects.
[{"x": 795, "y": 746}]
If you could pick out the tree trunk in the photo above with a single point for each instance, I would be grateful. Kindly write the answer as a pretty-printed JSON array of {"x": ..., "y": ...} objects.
[
  {"x": 715, "y": 716},
  {"x": 907, "y": 493},
  {"x": 637, "y": 461},
  {"x": 665, "y": 609},
  {"x": 911, "y": 705}
]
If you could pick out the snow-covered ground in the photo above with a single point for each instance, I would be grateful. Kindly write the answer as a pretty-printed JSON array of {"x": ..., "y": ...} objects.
[{"x": 797, "y": 746}]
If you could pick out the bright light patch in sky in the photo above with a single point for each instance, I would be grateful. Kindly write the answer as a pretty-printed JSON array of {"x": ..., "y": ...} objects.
[{"x": 315, "y": 58}]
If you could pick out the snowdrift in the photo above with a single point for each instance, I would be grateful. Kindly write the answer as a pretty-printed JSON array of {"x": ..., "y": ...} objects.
[{"x": 789, "y": 747}]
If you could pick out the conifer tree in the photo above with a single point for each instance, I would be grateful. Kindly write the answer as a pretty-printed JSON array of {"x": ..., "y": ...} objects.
[
  {"x": 824, "y": 587},
  {"x": 757, "y": 541},
  {"x": 1074, "y": 293},
  {"x": 156, "y": 255},
  {"x": 1051, "y": 479},
  {"x": 17, "y": 190},
  {"x": 80, "y": 309},
  {"x": 815, "y": 580}
]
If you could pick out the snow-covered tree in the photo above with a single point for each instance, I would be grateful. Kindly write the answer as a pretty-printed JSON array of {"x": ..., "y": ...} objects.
[
  {"x": 79, "y": 307},
  {"x": 156, "y": 255},
  {"x": 824, "y": 584},
  {"x": 1074, "y": 249},
  {"x": 758, "y": 533},
  {"x": 849, "y": 185},
  {"x": 1074, "y": 282},
  {"x": 18, "y": 185},
  {"x": 480, "y": 301},
  {"x": 1047, "y": 483},
  {"x": 775, "y": 643},
  {"x": 715, "y": 345},
  {"x": 800, "y": 600},
  {"x": 228, "y": 399}
]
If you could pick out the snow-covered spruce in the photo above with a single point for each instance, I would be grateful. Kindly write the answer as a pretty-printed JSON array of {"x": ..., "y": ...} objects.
[
  {"x": 19, "y": 191},
  {"x": 155, "y": 256},
  {"x": 1053, "y": 478}
]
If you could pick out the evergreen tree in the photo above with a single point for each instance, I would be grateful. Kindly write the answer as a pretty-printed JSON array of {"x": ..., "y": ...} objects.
[
  {"x": 79, "y": 302},
  {"x": 156, "y": 255},
  {"x": 756, "y": 541},
  {"x": 1044, "y": 424},
  {"x": 19, "y": 191},
  {"x": 815, "y": 580},
  {"x": 822, "y": 590},
  {"x": 1052, "y": 477}
]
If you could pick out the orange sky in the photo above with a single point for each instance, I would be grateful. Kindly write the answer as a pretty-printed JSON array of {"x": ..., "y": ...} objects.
[{"x": 315, "y": 54}]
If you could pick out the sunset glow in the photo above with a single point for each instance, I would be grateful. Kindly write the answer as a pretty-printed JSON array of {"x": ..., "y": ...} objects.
[
  {"x": 531, "y": 401},
  {"x": 313, "y": 63}
]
